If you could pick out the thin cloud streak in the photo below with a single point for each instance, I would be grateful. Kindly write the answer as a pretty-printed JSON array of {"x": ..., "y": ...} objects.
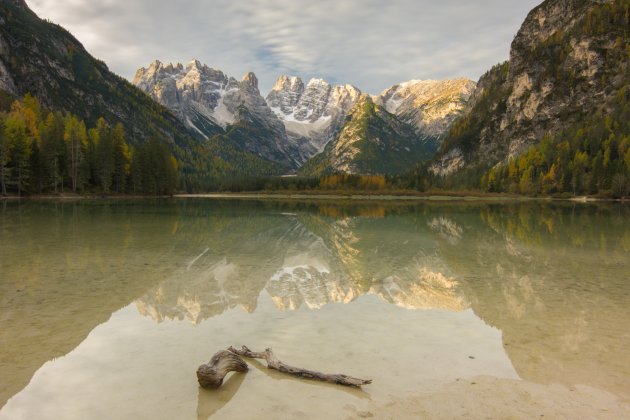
[{"x": 369, "y": 43}]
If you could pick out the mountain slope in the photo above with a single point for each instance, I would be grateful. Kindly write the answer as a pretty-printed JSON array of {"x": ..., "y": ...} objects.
[
  {"x": 371, "y": 141},
  {"x": 44, "y": 59},
  {"x": 569, "y": 60},
  {"x": 430, "y": 106}
]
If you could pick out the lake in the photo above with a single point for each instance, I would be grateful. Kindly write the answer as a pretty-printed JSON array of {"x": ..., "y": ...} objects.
[{"x": 454, "y": 309}]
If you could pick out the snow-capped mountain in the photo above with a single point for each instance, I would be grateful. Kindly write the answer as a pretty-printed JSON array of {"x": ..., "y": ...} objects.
[
  {"x": 205, "y": 98},
  {"x": 296, "y": 121},
  {"x": 313, "y": 113},
  {"x": 193, "y": 91},
  {"x": 196, "y": 90},
  {"x": 429, "y": 105}
]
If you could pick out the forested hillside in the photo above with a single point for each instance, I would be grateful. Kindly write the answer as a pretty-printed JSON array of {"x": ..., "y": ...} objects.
[
  {"x": 555, "y": 117},
  {"x": 43, "y": 151}
]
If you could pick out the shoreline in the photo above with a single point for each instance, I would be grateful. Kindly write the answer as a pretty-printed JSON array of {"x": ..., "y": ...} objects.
[{"x": 409, "y": 197}]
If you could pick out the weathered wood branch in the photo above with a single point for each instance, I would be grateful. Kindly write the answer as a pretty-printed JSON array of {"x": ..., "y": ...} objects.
[
  {"x": 211, "y": 375},
  {"x": 274, "y": 363}
]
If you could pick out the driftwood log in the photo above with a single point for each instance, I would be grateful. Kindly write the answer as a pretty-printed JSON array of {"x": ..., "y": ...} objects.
[
  {"x": 274, "y": 363},
  {"x": 211, "y": 375}
]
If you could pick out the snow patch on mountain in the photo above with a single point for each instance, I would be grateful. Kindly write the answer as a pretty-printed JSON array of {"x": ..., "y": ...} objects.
[
  {"x": 313, "y": 113},
  {"x": 194, "y": 87}
]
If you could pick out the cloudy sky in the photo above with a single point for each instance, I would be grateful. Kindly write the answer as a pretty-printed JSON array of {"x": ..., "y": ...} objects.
[{"x": 372, "y": 44}]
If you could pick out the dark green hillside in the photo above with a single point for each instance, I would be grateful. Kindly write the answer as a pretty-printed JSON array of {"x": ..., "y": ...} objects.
[
  {"x": 45, "y": 60},
  {"x": 372, "y": 141}
]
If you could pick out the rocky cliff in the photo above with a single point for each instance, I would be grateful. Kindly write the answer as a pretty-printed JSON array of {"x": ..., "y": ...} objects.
[
  {"x": 313, "y": 113},
  {"x": 568, "y": 60}
]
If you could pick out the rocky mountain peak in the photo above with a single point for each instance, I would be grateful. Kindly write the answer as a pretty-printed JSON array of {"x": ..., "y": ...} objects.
[
  {"x": 293, "y": 101},
  {"x": 156, "y": 64},
  {"x": 194, "y": 64},
  {"x": 204, "y": 98},
  {"x": 316, "y": 82},
  {"x": 190, "y": 90},
  {"x": 313, "y": 113},
  {"x": 250, "y": 81},
  {"x": 288, "y": 83},
  {"x": 345, "y": 96},
  {"x": 285, "y": 94}
]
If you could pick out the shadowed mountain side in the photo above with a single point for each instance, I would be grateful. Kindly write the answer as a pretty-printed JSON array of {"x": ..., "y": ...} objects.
[
  {"x": 42, "y": 58},
  {"x": 544, "y": 275}
]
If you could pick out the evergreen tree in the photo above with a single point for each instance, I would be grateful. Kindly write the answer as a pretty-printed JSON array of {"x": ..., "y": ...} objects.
[
  {"x": 75, "y": 136},
  {"x": 19, "y": 148},
  {"x": 121, "y": 158},
  {"x": 4, "y": 157},
  {"x": 53, "y": 151},
  {"x": 104, "y": 155}
]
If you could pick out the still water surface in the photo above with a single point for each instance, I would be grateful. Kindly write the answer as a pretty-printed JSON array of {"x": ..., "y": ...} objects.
[{"x": 107, "y": 308}]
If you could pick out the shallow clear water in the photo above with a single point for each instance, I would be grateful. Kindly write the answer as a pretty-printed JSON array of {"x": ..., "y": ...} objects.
[{"x": 107, "y": 308}]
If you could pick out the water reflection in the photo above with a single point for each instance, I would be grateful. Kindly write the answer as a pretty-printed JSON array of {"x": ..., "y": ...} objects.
[
  {"x": 554, "y": 278},
  {"x": 556, "y": 282},
  {"x": 346, "y": 258}
]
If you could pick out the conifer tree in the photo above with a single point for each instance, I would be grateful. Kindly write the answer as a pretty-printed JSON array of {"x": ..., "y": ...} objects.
[{"x": 75, "y": 137}]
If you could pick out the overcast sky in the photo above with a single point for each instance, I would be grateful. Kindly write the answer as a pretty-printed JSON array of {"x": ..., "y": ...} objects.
[{"x": 371, "y": 44}]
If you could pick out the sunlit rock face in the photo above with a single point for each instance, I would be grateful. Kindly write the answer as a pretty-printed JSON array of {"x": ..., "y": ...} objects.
[
  {"x": 190, "y": 89},
  {"x": 540, "y": 91},
  {"x": 430, "y": 106}
]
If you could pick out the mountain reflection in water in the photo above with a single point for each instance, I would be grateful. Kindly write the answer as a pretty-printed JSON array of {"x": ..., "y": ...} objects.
[
  {"x": 309, "y": 261},
  {"x": 553, "y": 278}
]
